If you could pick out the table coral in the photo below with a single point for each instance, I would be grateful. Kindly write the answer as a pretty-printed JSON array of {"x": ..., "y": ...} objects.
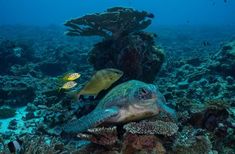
[
  {"x": 112, "y": 23},
  {"x": 149, "y": 127}
]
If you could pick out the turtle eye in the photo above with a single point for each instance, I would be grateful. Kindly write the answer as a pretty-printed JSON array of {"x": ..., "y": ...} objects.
[{"x": 143, "y": 93}]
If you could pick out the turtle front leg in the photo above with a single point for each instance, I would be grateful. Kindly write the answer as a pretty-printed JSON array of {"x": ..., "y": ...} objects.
[{"x": 91, "y": 120}]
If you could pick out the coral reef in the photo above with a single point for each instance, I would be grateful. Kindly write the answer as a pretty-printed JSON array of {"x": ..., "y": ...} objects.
[
  {"x": 135, "y": 54},
  {"x": 189, "y": 142},
  {"x": 196, "y": 82},
  {"x": 112, "y": 23},
  {"x": 125, "y": 46}
]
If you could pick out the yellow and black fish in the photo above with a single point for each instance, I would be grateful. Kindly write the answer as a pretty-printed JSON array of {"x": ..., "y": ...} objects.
[{"x": 71, "y": 76}]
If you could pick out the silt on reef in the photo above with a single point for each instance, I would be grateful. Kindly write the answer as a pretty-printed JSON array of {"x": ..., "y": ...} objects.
[{"x": 125, "y": 46}]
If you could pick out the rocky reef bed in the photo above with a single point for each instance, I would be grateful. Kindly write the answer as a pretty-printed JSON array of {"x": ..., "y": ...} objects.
[{"x": 196, "y": 78}]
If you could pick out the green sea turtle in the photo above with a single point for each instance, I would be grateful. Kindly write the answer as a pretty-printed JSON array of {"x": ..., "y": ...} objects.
[{"x": 130, "y": 101}]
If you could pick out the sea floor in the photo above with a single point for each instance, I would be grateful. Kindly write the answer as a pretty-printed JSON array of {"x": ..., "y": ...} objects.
[{"x": 188, "y": 79}]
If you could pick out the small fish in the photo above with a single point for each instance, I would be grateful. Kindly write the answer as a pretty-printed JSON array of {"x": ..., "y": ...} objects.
[
  {"x": 15, "y": 146},
  {"x": 69, "y": 85},
  {"x": 71, "y": 76},
  {"x": 206, "y": 43},
  {"x": 100, "y": 81}
]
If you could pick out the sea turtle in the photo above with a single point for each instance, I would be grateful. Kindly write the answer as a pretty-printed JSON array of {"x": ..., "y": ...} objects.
[{"x": 130, "y": 101}]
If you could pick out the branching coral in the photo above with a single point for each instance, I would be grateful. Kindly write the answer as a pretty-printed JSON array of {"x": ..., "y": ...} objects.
[
  {"x": 148, "y": 127},
  {"x": 112, "y": 23}
]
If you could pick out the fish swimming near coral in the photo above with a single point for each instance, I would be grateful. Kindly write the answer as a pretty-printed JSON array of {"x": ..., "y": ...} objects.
[
  {"x": 100, "y": 81},
  {"x": 15, "y": 146},
  {"x": 71, "y": 76},
  {"x": 130, "y": 101},
  {"x": 68, "y": 85}
]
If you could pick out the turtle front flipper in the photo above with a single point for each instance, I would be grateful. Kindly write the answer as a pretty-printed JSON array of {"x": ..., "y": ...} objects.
[{"x": 93, "y": 119}]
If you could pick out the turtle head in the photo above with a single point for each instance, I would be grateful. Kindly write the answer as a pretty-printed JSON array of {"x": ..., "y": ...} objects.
[
  {"x": 144, "y": 98},
  {"x": 148, "y": 98},
  {"x": 145, "y": 93}
]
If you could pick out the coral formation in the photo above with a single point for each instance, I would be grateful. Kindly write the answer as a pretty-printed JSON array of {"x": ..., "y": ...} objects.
[
  {"x": 135, "y": 54},
  {"x": 101, "y": 135},
  {"x": 149, "y": 127},
  {"x": 12, "y": 53},
  {"x": 196, "y": 82},
  {"x": 112, "y": 23},
  {"x": 125, "y": 46},
  {"x": 138, "y": 144},
  {"x": 189, "y": 142},
  {"x": 225, "y": 59}
]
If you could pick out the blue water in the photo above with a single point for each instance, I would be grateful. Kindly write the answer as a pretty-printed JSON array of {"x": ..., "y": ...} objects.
[{"x": 167, "y": 12}]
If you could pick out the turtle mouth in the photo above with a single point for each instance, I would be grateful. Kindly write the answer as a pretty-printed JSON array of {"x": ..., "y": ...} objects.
[{"x": 146, "y": 103}]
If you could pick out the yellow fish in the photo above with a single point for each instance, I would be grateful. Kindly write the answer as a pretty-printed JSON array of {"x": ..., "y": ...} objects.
[
  {"x": 69, "y": 85},
  {"x": 101, "y": 80},
  {"x": 71, "y": 76}
]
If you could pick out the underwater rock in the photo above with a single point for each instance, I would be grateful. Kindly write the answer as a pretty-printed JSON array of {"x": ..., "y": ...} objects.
[
  {"x": 138, "y": 144},
  {"x": 12, "y": 124},
  {"x": 191, "y": 141},
  {"x": 7, "y": 112},
  {"x": 12, "y": 53},
  {"x": 16, "y": 91},
  {"x": 215, "y": 112},
  {"x": 225, "y": 60}
]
